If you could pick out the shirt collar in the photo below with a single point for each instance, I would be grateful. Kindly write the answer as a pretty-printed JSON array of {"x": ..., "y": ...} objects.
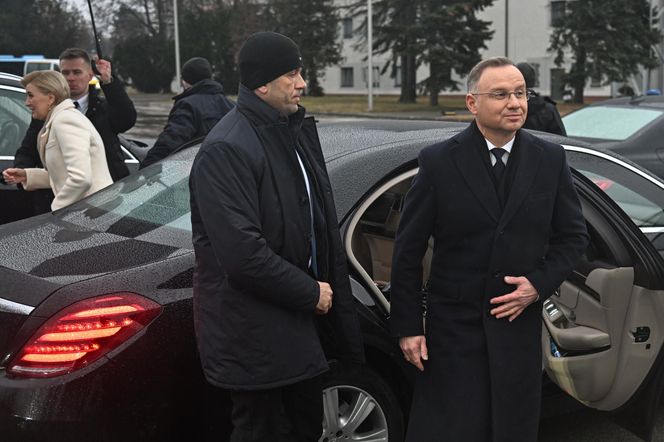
[
  {"x": 83, "y": 103},
  {"x": 508, "y": 146}
]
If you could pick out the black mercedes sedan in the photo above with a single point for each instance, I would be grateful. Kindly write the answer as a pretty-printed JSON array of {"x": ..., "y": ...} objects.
[{"x": 96, "y": 329}]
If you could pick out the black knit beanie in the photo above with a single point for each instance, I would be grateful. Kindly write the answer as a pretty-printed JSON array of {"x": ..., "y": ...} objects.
[
  {"x": 196, "y": 69},
  {"x": 266, "y": 56}
]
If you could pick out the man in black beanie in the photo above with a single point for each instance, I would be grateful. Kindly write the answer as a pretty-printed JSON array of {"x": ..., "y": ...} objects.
[
  {"x": 195, "y": 111},
  {"x": 269, "y": 258}
]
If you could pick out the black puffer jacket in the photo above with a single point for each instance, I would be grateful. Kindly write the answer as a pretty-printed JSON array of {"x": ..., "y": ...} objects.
[
  {"x": 254, "y": 300},
  {"x": 194, "y": 114}
]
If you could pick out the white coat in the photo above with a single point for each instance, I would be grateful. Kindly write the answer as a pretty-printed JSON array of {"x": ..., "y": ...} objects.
[{"x": 73, "y": 156}]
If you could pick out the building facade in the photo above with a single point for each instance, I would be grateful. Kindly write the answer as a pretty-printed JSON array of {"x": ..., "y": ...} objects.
[{"x": 522, "y": 29}]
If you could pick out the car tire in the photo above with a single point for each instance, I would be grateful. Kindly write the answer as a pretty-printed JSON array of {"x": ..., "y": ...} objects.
[{"x": 358, "y": 405}]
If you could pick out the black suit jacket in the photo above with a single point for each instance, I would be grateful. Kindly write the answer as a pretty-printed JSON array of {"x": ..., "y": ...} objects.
[{"x": 539, "y": 233}]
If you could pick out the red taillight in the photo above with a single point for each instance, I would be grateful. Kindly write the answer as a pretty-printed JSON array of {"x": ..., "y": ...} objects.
[{"x": 82, "y": 333}]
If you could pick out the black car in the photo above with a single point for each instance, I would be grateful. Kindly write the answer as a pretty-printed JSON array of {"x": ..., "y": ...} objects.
[
  {"x": 630, "y": 126},
  {"x": 14, "y": 121},
  {"x": 96, "y": 330}
]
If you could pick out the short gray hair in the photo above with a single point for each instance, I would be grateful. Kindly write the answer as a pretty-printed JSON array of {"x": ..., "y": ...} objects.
[
  {"x": 478, "y": 69},
  {"x": 48, "y": 82}
]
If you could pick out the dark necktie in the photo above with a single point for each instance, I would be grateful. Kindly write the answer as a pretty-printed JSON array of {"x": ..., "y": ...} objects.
[
  {"x": 77, "y": 105},
  {"x": 499, "y": 167}
]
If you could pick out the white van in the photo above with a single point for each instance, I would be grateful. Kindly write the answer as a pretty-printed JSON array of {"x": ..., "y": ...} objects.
[{"x": 27, "y": 63}]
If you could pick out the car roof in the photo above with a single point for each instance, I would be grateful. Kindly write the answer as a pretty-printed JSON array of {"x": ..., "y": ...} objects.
[
  {"x": 10, "y": 80},
  {"x": 650, "y": 101},
  {"x": 362, "y": 151}
]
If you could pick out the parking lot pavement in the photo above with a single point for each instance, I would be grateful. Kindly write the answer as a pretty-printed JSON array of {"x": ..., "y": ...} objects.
[
  {"x": 585, "y": 425},
  {"x": 152, "y": 110}
]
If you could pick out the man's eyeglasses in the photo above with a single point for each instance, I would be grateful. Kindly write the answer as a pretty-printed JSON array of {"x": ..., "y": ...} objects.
[{"x": 504, "y": 95}]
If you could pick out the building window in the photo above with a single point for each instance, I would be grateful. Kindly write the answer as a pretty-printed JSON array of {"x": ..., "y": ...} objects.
[
  {"x": 375, "y": 78},
  {"x": 557, "y": 11},
  {"x": 347, "y": 27},
  {"x": 347, "y": 77},
  {"x": 396, "y": 72}
]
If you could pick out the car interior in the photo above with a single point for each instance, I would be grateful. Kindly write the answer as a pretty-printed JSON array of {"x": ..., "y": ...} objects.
[
  {"x": 11, "y": 127},
  {"x": 599, "y": 322}
]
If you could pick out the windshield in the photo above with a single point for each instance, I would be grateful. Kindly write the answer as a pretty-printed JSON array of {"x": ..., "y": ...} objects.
[
  {"x": 150, "y": 205},
  {"x": 607, "y": 122}
]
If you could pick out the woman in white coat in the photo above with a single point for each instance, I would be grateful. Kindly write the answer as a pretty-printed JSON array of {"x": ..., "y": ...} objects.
[{"x": 70, "y": 148}]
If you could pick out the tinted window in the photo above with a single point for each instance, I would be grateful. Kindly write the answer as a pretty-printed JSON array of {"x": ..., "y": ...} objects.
[
  {"x": 14, "y": 120},
  {"x": 151, "y": 205},
  {"x": 640, "y": 198},
  {"x": 608, "y": 123}
]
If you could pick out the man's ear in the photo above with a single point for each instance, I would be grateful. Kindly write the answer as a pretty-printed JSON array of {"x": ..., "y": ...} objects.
[
  {"x": 471, "y": 103},
  {"x": 262, "y": 90}
]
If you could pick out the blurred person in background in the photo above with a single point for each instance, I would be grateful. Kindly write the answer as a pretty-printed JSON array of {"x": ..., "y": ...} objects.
[
  {"x": 69, "y": 147},
  {"x": 195, "y": 111},
  {"x": 542, "y": 112}
]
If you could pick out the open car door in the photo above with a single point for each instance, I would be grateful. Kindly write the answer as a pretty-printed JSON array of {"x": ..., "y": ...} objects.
[{"x": 604, "y": 327}]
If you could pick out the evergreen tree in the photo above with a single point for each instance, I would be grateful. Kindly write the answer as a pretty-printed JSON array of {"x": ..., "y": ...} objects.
[
  {"x": 313, "y": 26},
  {"x": 54, "y": 25},
  {"x": 608, "y": 39},
  {"x": 445, "y": 34},
  {"x": 453, "y": 38}
]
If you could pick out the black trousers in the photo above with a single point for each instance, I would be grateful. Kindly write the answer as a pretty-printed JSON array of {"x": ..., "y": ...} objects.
[{"x": 293, "y": 413}]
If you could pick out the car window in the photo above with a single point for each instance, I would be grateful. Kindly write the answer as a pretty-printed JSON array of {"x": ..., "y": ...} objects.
[
  {"x": 149, "y": 205},
  {"x": 608, "y": 123},
  {"x": 14, "y": 120},
  {"x": 637, "y": 195}
]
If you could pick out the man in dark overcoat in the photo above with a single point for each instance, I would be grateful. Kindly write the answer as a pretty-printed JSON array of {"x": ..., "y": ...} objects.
[
  {"x": 270, "y": 267},
  {"x": 507, "y": 229},
  {"x": 195, "y": 112}
]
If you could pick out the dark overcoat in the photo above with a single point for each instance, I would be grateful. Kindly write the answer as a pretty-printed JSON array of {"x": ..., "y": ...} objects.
[
  {"x": 195, "y": 112},
  {"x": 254, "y": 299},
  {"x": 482, "y": 380},
  {"x": 111, "y": 115}
]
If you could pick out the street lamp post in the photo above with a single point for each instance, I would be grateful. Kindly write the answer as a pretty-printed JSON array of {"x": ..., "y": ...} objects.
[
  {"x": 178, "y": 85},
  {"x": 370, "y": 54}
]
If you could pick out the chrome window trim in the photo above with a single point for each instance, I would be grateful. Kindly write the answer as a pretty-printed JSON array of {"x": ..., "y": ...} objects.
[
  {"x": 354, "y": 221},
  {"x": 14, "y": 307},
  {"x": 652, "y": 229},
  {"x": 12, "y": 88},
  {"x": 615, "y": 160},
  {"x": 132, "y": 159}
]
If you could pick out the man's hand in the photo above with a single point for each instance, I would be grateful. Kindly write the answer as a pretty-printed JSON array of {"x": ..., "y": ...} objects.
[
  {"x": 104, "y": 68},
  {"x": 324, "y": 298},
  {"x": 514, "y": 303},
  {"x": 414, "y": 349},
  {"x": 14, "y": 175}
]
